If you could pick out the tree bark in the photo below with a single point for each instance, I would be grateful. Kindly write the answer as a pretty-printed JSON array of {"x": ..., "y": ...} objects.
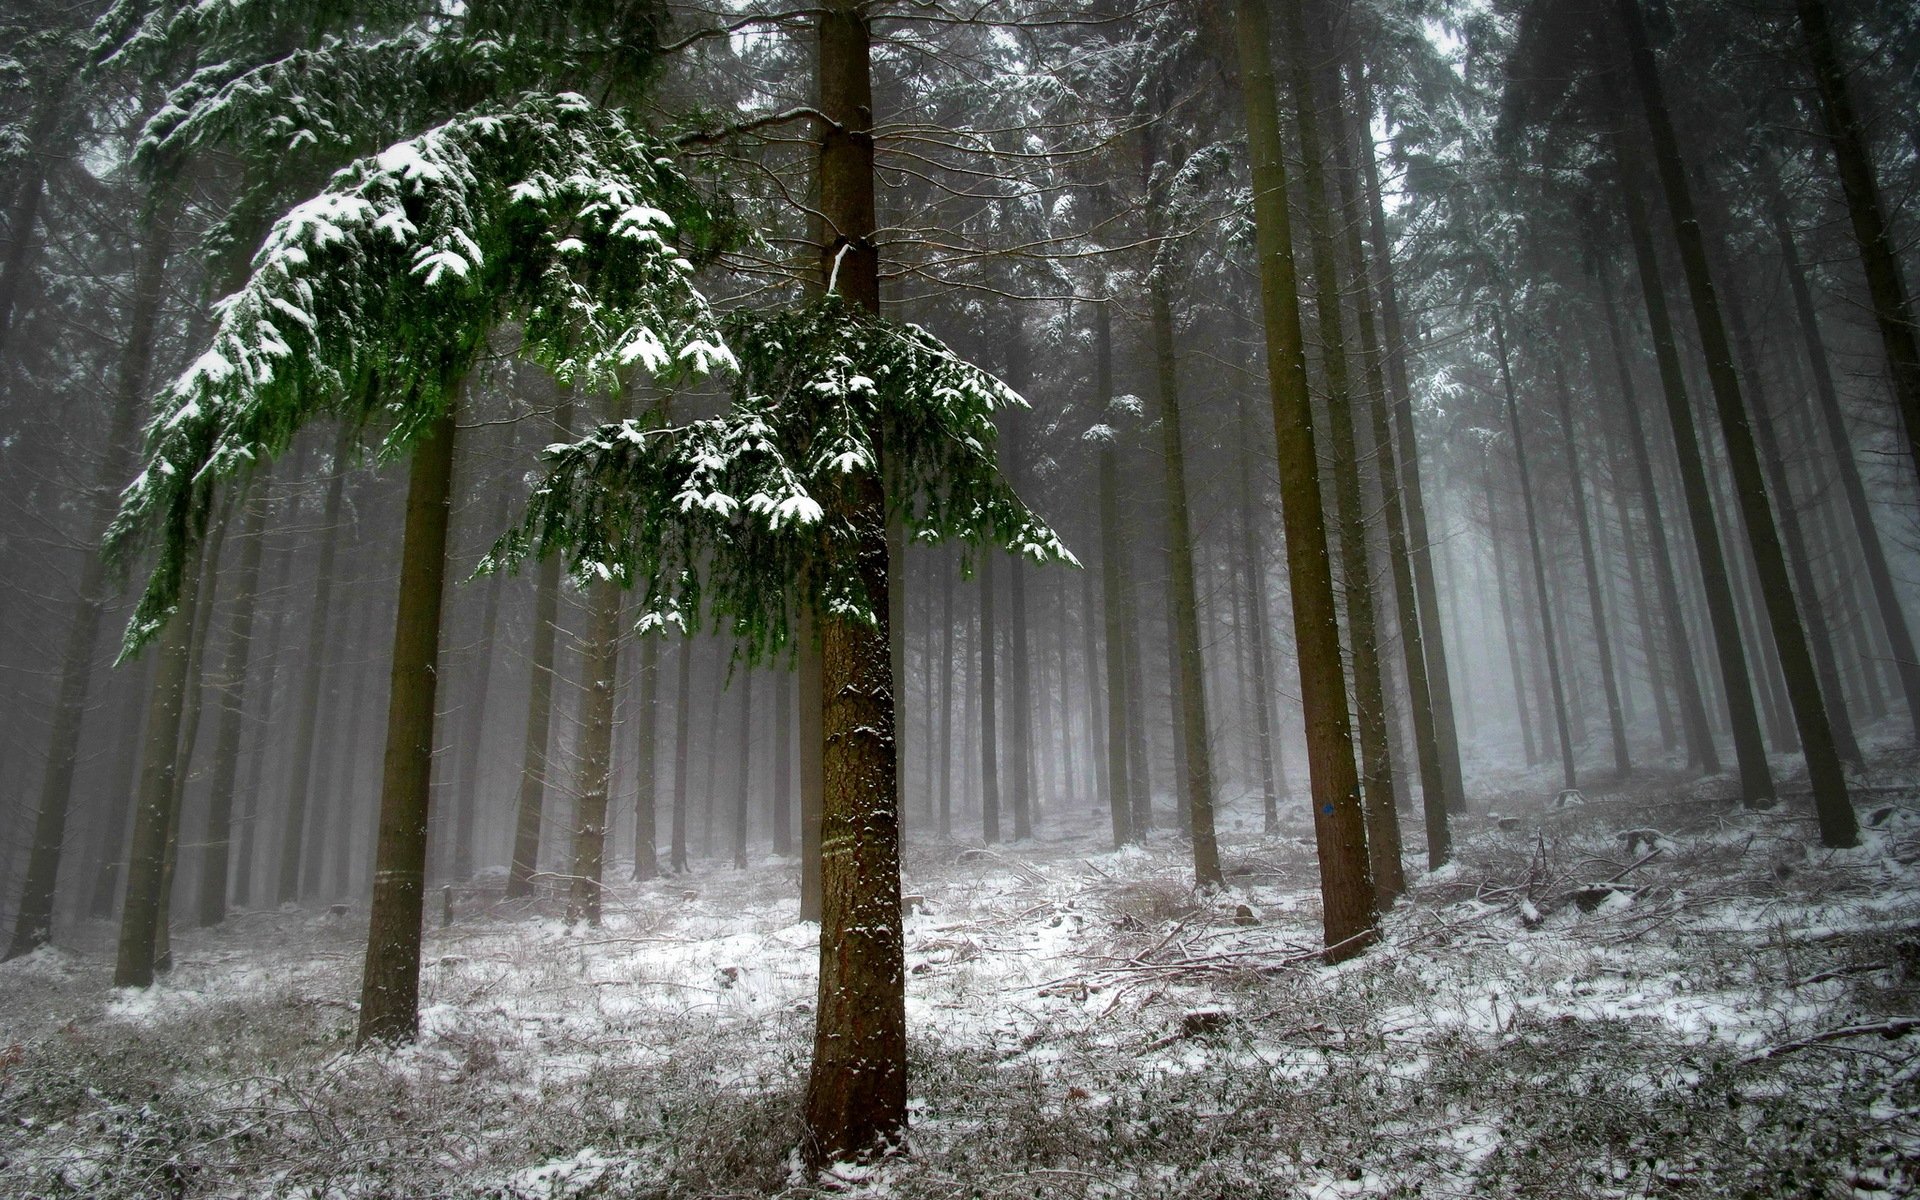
[
  {"x": 989, "y": 717},
  {"x": 1893, "y": 619},
  {"x": 33, "y": 925},
  {"x": 1181, "y": 594},
  {"x": 390, "y": 986},
  {"x": 1838, "y": 826},
  {"x": 313, "y": 668},
  {"x": 1348, "y": 916},
  {"x": 153, "y": 812},
  {"x": 682, "y": 747},
  {"x": 1420, "y": 543},
  {"x": 467, "y": 801},
  {"x": 540, "y": 667},
  {"x": 743, "y": 679},
  {"x": 1879, "y": 254},
  {"x": 1750, "y": 754},
  {"x": 856, "y": 1101},
  {"x": 1568, "y": 777},
  {"x": 1602, "y": 636},
  {"x": 948, "y": 666},
  {"x": 1112, "y": 583},
  {"x": 601, "y": 655},
  {"x": 231, "y": 685}
]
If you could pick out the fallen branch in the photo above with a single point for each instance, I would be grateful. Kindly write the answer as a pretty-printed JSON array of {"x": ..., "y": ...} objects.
[{"x": 1891, "y": 1028}]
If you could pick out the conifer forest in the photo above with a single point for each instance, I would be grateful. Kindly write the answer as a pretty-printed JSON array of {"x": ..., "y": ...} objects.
[{"x": 959, "y": 599}]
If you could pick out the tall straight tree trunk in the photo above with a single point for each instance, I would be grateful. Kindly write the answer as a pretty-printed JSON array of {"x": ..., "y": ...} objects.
[
  {"x": 536, "y": 761},
  {"x": 1183, "y": 598},
  {"x": 153, "y": 812},
  {"x": 1642, "y": 610},
  {"x": 1433, "y": 779},
  {"x": 1602, "y": 636},
  {"x": 812, "y": 735},
  {"x": 1112, "y": 585},
  {"x": 1253, "y": 580},
  {"x": 24, "y": 211},
  {"x": 1794, "y": 542},
  {"x": 1420, "y": 542},
  {"x": 1838, "y": 826},
  {"x": 245, "y": 860},
  {"x": 1893, "y": 619},
  {"x": 948, "y": 666},
  {"x": 120, "y": 795},
  {"x": 682, "y": 747},
  {"x": 1520, "y": 706},
  {"x": 467, "y": 801},
  {"x": 1701, "y": 750},
  {"x": 989, "y": 717},
  {"x": 1020, "y": 717},
  {"x": 390, "y": 986},
  {"x": 1348, "y": 915},
  {"x": 1567, "y": 774},
  {"x": 33, "y": 925},
  {"x": 313, "y": 672},
  {"x": 783, "y": 763},
  {"x": 1376, "y": 761},
  {"x": 602, "y": 663},
  {"x": 1879, "y": 252},
  {"x": 856, "y": 1102},
  {"x": 231, "y": 686},
  {"x": 742, "y": 804},
  {"x": 1750, "y": 753}
]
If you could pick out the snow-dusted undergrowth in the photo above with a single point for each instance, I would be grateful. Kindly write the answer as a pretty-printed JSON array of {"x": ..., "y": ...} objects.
[{"x": 1084, "y": 1025}]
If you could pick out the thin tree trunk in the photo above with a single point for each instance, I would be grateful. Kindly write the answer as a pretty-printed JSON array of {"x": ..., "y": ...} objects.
[
  {"x": 1642, "y": 610},
  {"x": 812, "y": 734},
  {"x": 989, "y": 717},
  {"x": 1439, "y": 675},
  {"x": 33, "y": 925},
  {"x": 783, "y": 763},
  {"x": 1750, "y": 754},
  {"x": 1112, "y": 585},
  {"x": 682, "y": 747},
  {"x": 1838, "y": 826},
  {"x": 467, "y": 800},
  {"x": 231, "y": 684},
  {"x": 1348, "y": 915},
  {"x": 1602, "y": 636},
  {"x": 1567, "y": 774},
  {"x": 948, "y": 666},
  {"x": 1893, "y": 619},
  {"x": 601, "y": 655},
  {"x": 1181, "y": 592},
  {"x": 1701, "y": 750},
  {"x": 1020, "y": 708},
  {"x": 1879, "y": 252},
  {"x": 153, "y": 813},
  {"x": 1253, "y": 576},
  {"x": 1520, "y": 706},
  {"x": 742, "y": 808},
  {"x": 540, "y": 668},
  {"x": 314, "y": 669}
]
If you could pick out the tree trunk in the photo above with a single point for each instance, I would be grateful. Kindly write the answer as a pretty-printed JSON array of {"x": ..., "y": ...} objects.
[
  {"x": 540, "y": 667},
  {"x": 1348, "y": 916},
  {"x": 1838, "y": 826},
  {"x": 33, "y": 926},
  {"x": 783, "y": 763},
  {"x": 1181, "y": 594},
  {"x": 682, "y": 747},
  {"x": 1602, "y": 636},
  {"x": 1750, "y": 754},
  {"x": 1893, "y": 619},
  {"x": 390, "y": 987},
  {"x": 24, "y": 212},
  {"x": 1383, "y": 830},
  {"x": 313, "y": 668},
  {"x": 1520, "y": 706},
  {"x": 1112, "y": 583},
  {"x": 153, "y": 813},
  {"x": 467, "y": 801},
  {"x": 812, "y": 734},
  {"x": 989, "y": 718},
  {"x": 1567, "y": 775},
  {"x": 1253, "y": 580},
  {"x": 1879, "y": 252},
  {"x": 743, "y": 679},
  {"x": 1020, "y": 682},
  {"x": 948, "y": 665},
  {"x": 601, "y": 655},
  {"x": 856, "y": 1102},
  {"x": 1439, "y": 675},
  {"x": 1701, "y": 750},
  {"x": 1433, "y": 781},
  {"x": 231, "y": 684}
]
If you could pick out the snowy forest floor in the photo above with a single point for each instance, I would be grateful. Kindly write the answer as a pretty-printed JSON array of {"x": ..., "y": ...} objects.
[{"x": 1711, "y": 1008}]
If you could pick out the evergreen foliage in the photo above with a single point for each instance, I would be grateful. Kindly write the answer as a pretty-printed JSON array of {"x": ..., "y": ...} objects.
[{"x": 740, "y": 517}]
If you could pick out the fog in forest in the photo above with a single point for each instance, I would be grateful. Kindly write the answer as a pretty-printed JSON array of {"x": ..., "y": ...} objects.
[{"x": 968, "y": 597}]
